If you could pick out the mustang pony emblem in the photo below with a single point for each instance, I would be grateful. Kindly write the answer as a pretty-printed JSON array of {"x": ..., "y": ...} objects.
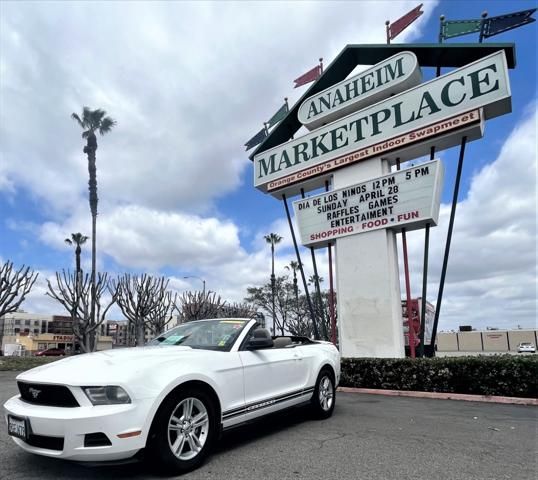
[{"x": 35, "y": 392}]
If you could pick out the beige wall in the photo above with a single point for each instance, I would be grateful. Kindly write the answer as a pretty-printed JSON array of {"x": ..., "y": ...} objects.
[
  {"x": 447, "y": 342},
  {"x": 495, "y": 341},
  {"x": 469, "y": 341},
  {"x": 517, "y": 336},
  {"x": 104, "y": 343}
]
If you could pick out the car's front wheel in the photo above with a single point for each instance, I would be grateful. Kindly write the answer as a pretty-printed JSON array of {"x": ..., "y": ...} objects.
[
  {"x": 184, "y": 431},
  {"x": 324, "y": 394}
]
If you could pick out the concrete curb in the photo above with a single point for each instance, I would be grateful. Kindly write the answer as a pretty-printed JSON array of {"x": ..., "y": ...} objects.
[{"x": 443, "y": 396}]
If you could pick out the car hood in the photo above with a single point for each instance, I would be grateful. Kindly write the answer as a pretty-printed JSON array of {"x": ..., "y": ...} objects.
[{"x": 113, "y": 366}]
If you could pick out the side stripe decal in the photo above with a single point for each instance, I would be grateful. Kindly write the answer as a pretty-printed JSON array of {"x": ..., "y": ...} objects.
[{"x": 265, "y": 403}]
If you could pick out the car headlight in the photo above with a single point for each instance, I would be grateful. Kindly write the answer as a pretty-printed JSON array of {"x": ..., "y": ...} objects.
[{"x": 109, "y": 395}]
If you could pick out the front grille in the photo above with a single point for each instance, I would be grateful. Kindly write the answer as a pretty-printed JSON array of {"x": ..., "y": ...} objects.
[
  {"x": 43, "y": 394},
  {"x": 97, "y": 439},
  {"x": 42, "y": 441}
]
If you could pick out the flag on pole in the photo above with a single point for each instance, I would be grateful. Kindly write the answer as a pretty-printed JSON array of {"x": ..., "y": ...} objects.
[
  {"x": 256, "y": 139},
  {"x": 503, "y": 23},
  {"x": 279, "y": 115},
  {"x": 402, "y": 23},
  {"x": 308, "y": 77},
  {"x": 457, "y": 28}
]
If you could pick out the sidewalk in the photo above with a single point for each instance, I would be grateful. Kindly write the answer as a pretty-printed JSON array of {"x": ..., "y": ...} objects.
[{"x": 443, "y": 396}]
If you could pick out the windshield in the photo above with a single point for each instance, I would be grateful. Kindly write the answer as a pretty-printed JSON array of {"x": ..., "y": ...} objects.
[{"x": 206, "y": 334}]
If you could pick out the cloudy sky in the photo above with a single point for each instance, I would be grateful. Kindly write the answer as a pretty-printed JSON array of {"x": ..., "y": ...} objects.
[{"x": 188, "y": 84}]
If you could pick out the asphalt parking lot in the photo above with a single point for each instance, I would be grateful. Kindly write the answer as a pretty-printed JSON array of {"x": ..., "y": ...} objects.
[{"x": 369, "y": 437}]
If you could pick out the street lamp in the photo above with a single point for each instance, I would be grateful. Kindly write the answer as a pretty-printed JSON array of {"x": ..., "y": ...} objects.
[{"x": 201, "y": 279}]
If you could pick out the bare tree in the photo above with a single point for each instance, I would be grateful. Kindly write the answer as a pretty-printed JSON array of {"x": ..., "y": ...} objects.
[
  {"x": 162, "y": 314},
  {"x": 14, "y": 286},
  {"x": 199, "y": 305},
  {"x": 278, "y": 306},
  {"x": 237, "y": 310},
  {"x": 140, "y": 298},
  {"x": 74, "y": 293}
]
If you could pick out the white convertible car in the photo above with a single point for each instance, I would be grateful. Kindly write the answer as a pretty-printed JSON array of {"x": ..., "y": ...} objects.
[{"x": 171, "y": 398}]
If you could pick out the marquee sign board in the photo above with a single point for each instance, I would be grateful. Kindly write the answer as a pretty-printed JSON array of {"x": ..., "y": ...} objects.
[
  {"x": 483, "y": 83},
  {"x": 393, "y": 75},
  {"x": 404, "y": 199}
]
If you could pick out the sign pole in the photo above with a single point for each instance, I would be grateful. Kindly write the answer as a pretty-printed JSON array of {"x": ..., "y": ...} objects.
[
  {"x": 411, "y": 330},
  {"x": 331, "y": 286},
  {"x": 331, "y": 295},
  {"x": 447, "y": 246},
  {"x": 309, "y": 301},
  {"x": 424, "y": 280},
  {"x": 317, "y": 288}
]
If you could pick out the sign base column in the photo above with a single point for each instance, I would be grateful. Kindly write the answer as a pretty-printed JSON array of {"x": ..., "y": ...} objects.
[{"x": 368, "y": 283}]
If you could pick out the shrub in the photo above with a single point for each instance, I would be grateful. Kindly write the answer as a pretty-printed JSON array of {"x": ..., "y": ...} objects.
[
  {"x": 505, "y": 375},
  {"x": 24, "y": 363}
]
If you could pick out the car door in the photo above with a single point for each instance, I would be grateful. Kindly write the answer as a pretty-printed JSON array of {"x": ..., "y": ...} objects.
[{"x": 272, "y": 373}]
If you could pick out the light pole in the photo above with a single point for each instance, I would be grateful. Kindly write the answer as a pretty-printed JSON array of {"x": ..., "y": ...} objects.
[{"x": 201, "y": 279}]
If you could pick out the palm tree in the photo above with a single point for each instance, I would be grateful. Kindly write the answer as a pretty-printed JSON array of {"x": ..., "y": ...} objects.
[
  {"x": 313, "y": 278},
  {"x": 273, "y": 239},
  {"x": 77, "y": 239},
  {"x": 93, "y": 121},
  {"x": 294, "y": 267}
]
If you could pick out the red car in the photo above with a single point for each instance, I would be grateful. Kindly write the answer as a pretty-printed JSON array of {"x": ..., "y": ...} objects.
[{"x": 50, "y": 352}]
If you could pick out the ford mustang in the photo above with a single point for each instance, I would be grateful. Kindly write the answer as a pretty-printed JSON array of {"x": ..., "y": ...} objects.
[{"x": 172, "y": 398}]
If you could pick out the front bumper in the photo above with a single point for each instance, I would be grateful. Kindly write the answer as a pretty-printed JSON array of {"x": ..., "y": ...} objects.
[{"x": 72, "y": 424}]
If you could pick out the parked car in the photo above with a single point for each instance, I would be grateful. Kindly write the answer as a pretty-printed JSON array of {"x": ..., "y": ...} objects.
[
  {"x": 50, "y": 352},
  {"x": 524, "y": 347},
  {"x": 171, "y": 398}
]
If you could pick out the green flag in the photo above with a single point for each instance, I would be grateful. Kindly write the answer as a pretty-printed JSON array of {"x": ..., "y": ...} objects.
[
  {"x": 456, "y": 28},
  {"x": 279, "y": 115}
]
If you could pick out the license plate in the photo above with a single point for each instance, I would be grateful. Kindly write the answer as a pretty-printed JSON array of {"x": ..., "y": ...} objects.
[{"x": 16, "y": 427}]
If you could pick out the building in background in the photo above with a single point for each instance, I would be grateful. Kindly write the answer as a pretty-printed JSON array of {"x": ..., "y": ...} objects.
[{"x": 31, "y": 332}]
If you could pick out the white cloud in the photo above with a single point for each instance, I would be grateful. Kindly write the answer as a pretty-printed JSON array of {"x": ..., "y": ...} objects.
[
  {"x": 491, "y": 275},
  {"x": 187, "y": 83}
]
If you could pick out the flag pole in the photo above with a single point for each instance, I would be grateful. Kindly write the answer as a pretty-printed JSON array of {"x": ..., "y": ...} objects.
[
  {"x": 286, "y": 102},
  {"x": 387, "y": 23},
  {"x": 266, "y": 129},
  {"x": 441, "y": 22},
  {"x": 321, "y": 65},
  {"x": 447, "y": 245},
  {"x": 307, "y": 294},
  {"x": 482, "y": 25}
]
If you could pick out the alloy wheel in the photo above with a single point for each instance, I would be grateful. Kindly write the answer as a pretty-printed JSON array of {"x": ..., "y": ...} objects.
[{"x": 188, "y": 428}]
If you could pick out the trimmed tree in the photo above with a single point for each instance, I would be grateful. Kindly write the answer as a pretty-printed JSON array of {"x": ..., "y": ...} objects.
[{"x": 14, "y": 286}]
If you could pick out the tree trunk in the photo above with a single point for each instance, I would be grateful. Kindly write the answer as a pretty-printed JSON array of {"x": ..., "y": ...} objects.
[
  {"x": 140, "y": 333},
  {"x": 273, "y": 285},
  {"x": 91, "y": 148}
]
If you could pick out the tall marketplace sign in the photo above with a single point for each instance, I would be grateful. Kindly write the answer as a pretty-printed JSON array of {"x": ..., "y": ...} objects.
[{"x": 360, "y": 128}]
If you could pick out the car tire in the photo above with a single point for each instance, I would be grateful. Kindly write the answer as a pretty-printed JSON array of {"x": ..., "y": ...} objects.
[
  {"x": 183, "y": 431},
  {"x": 324, "y": 395}
]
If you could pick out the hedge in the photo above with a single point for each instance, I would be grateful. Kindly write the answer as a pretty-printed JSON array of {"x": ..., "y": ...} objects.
[
  {"x": 504, "y": 375},
  {"x": 24, "y": 363}
]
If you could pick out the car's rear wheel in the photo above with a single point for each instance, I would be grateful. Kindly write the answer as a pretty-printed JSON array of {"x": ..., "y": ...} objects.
[
  {"x": 324, "y": 394},
  {"x": 183, "y": 431}
]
